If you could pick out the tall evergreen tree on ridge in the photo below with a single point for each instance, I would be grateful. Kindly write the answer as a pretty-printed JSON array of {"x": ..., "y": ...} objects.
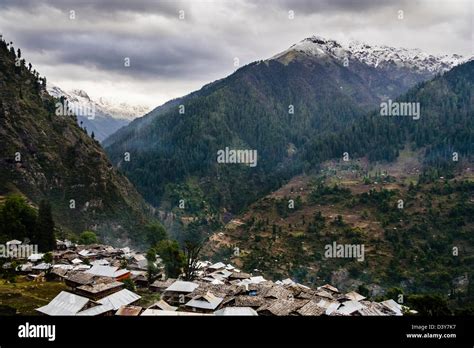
[{"x": 45, "y": 227}]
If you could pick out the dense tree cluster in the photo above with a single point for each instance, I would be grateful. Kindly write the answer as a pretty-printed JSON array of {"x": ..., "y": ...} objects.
[{"x": 19, "y": 220}]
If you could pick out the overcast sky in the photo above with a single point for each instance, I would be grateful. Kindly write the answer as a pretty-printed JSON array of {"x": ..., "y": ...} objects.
[{"x": 170, "y": 57}]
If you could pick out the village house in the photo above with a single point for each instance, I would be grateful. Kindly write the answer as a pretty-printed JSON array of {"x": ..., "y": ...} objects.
[
  {"x": 123, "y": 297},
  {"x": 108, "y": 271},
  {"x": 204, "y": 303},
  {"x": 162, "y": 305},
  {"x": 95, "y": 274},
  {"x": 176, "y": 292},
  {"x": 161, "y": 285},
  {"x": 65, "y": 303},
  {"x": 99, "y": 288},
  {"x": 129, "y": 311}
]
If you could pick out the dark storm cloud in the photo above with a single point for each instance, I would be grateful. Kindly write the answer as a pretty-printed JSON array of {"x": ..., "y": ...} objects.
[
  {"x": 306, "y": 7},
  {"x": 100, "y": 7},
  {"x": 149, "y": 57},
  {"x": 176, "y": 56}
]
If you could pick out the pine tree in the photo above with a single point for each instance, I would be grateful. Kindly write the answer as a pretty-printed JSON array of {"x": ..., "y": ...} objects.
[{"x": 45, "y": 227}]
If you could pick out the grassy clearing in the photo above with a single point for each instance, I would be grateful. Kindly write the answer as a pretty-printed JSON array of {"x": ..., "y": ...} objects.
[
  {"x": 148, "y": 297},
  {"x": 25, "y": 296}
]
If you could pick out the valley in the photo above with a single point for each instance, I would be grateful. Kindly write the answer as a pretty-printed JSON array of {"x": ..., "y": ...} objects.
[{"x": 404, "y": 223}]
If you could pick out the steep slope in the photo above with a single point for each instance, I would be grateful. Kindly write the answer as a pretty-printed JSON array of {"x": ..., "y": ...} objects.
[
  {"x": 444, "y": 125},
  {"x": 409, "y": 248},
  {"x": 46, "y": 155},
  {"x": 252, "y": 109},
  {"x": 357, "y": 202},
  {"x": 101, "y": 116}
]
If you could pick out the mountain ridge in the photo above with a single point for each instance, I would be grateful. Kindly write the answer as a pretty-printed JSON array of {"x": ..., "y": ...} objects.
[{"x": 46, "y": 155}]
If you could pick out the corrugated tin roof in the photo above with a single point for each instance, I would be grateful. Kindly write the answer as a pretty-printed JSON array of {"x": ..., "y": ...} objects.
[
  {"x": 35, "y": 257},
  {"x": 217, "y": 265},
  {"x": 13, "y": 242},
  {"x": 332, "y": 307},
  {"x": 120, "y": 298},
  {"x": 182, "y": 286},
  {"x": 101, "y": 262},
  {"x": 393, "y": 306},
  {"x": 157, "y": 312},
  {"x": 64, "y": 303},
  {"x": 207, "y": 301},
  {"x": 237, "y": 311},
  {"x": 42, "y": 266},
  {"x": 96, "y": 310},
  {"x": 107, "y": 271},
  {"x": 350, "y": 307}
]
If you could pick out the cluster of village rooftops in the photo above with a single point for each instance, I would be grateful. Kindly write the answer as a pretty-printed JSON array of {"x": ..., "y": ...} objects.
[{"x": 95, "y": 277}]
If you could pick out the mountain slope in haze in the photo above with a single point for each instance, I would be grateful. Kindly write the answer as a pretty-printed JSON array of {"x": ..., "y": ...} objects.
[
  {"x": 100, "y": 117},
  {"x": 48, "y": 156},
  {"x": 445, "y": 125},
  {"x": 275, "y": 107}
]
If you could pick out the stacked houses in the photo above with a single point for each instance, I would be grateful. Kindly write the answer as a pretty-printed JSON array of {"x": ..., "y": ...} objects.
[{"x": 95, "y": 276}]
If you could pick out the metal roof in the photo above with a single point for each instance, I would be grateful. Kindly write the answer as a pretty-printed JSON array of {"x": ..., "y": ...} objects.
[
  {"x": 64, "y": 303},
  {"x": 182, "y": 286},
  {"x": 96, "y": 310},
  {"x": 42, "y": 266},
  {"x": 35, "y": 257},
  {"x": 218, "y": 265},
  {"x": 13, "y": 242},
  {"x": 332, "y": 308},
  {"x": 157, "y": 312},
  {"x": 236, "y": 311},
  {"x": 121, "y": 298},
  {"x": 350, "y": 307},
  {"x": 393, "y": 306},
  {"x": 107, "y": 271},
  {"x": 207, "y": 301},
  {"x": 101, "y": 262}
]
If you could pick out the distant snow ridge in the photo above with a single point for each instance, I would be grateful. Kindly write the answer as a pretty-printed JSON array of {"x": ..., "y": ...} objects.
[
  {"x": 376, "y": 56},
  {"x": 102, "y": 105},
  {"x": 122, "y": 110}
]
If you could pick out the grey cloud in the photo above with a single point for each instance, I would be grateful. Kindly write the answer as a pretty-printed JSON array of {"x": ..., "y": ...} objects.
[
  {"x": 306, "y": 7},
  {"x": 201, "y": 48},
  {"x": 100, "y": 7},
  {"x": 150, "y": 58}
]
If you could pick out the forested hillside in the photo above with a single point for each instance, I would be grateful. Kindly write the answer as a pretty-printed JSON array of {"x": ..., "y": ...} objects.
[
  {"x": 47, "y": 156},
  {"x": 280, "y": 107}
]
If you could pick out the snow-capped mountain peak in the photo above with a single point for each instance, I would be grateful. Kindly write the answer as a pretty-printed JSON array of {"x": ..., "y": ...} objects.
[
  {"x": 104, "y": 106},
  {"x": 378, "y": 56}
]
